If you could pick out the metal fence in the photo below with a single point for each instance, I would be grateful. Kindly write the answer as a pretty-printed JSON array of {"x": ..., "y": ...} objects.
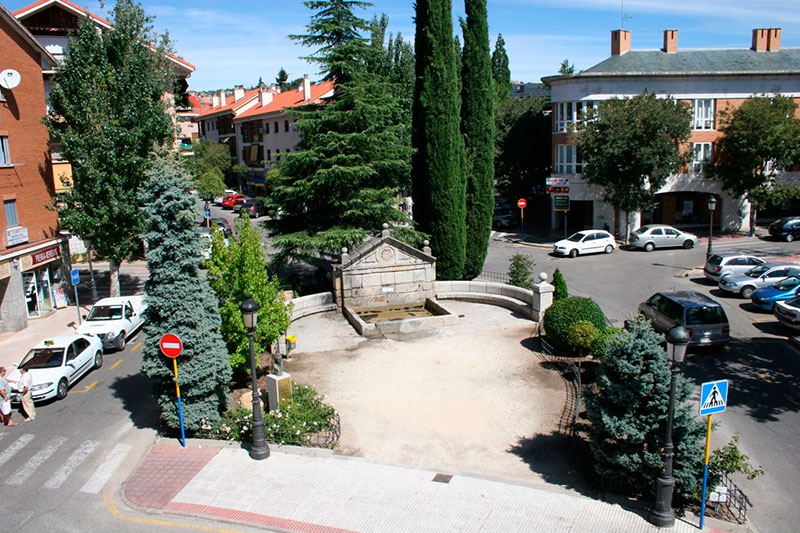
[
  {"x": 493, "y": 277},
  {"x": 728, "y": 502},
  {"x": 324, "y": 437},
  {"x": 572, "y": 376}
]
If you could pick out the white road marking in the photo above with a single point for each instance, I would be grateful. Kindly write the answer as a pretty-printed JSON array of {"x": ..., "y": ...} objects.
[
  {"x": 12, "y": 450},
  {"x": 19, "y": 477},
  {"x": 104, "y": 471},
  {"x": 72, "y": 462}
]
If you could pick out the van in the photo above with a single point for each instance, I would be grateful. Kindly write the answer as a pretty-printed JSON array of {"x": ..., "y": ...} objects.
[{"x": 702, "y": 316}]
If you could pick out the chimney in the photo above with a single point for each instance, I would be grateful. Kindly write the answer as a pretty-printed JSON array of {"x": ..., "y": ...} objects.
[
  {"x": 306, "y": 88},
  {"x": 773, "y": 39},
  {"x": 670, "y": 41},
  {"x": 215, "y": 101},
  {"x": 620, "y": 42},
  {"x": 266, "y": 96},
  {"x": 222, "y": 98},
  {"x": 238, "y": 93}
]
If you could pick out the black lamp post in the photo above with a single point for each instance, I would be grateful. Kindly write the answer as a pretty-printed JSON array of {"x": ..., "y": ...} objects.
[
  {"x": 712, "y": 204},
  {"x": 662, "y": 513},
  {"x": 249, "y": 309}
]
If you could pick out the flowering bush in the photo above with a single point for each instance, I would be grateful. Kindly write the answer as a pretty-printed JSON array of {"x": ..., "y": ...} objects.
[{"x": 297, "y": 421}]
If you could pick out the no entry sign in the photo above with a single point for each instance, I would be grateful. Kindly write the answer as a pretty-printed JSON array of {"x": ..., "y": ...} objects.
[
  {"x": 171, "y": 345},
  {"x": 522, "y": 203}
]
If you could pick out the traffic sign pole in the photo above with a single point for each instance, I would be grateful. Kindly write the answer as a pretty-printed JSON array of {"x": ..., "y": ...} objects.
[
  {"x": 172, "y": 346},
  {"x": 522, "y": 203},
  {"x": 705, "y": 472},
  {"x": 75, "y": 277},
  {"x": 180, "y": 403}
]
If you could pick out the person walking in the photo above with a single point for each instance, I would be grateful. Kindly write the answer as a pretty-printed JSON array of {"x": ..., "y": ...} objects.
[
  {"x": 5, "y": 399},
  {"x": 24, "y": 386}
]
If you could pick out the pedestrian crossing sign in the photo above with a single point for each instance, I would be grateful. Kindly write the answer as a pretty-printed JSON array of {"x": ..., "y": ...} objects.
[{"x": 713, "y": 397}]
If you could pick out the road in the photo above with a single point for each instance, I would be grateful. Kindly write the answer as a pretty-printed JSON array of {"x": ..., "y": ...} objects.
[{"x": 761, "y": 363}]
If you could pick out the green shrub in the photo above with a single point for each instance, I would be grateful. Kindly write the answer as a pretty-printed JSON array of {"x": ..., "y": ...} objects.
[
  {"x": 520, "y": 273},
  {"x": 560, "y": 285},
  {"x": 599, "y": 347},
  {"x": 560, "y": 317},
  {"x": 582, "y": 335}
]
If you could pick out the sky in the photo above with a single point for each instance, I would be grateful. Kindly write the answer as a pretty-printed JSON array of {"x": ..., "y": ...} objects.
[{"x": 236, "y": 42}]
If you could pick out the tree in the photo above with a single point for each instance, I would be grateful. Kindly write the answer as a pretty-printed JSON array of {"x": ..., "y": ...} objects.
[
  {"x": 180, "y": 301},
  {"x": 760, "y": 139},
  {"x": 501, "y": 73},
  {"x": 208, "y": 165},
  {"x": 342, "y": 182},
  {"x": 235, "y": 271},
  {"x": 281, "y": 79},
  {"x": 437, "y": 174},
  {"x": 560, "y": 285},
  {"x": 520, "y": 271},
  {"x": 630, "y": 147},
  {"x": 106, "y": 105},
  {"x": 627, "y": 409},
  {"x": 566, "y": 68},
  {"x": 477, "y": 128}
]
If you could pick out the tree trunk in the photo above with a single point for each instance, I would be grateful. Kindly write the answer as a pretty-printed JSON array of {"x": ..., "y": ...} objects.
[
  {"x": 753, "y": 212},
  {"x": 113, "y": 279}
]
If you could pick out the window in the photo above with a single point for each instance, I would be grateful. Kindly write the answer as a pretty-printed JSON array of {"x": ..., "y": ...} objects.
[
  {"x": 5, "y": 158},
  {"x": 703, "y": 115},
  {"x": 11, "y": 213},
  {"x": 570, "y": 113},
  {"x": 285, "y": 125},
  {"x": 277, "y": 151},
  {"x": 568, "y": 159},
  {"x": 701, "y": 157},
  {"x": 275, "y": 128},
  {"x": 269, "y": 155}
]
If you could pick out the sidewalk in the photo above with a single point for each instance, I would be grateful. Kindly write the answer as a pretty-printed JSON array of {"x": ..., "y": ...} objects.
[{"x": 297, "y": 489}]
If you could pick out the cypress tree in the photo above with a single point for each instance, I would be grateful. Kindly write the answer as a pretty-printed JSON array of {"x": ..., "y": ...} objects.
[
  {"x": 437, "y": 173},
  {"x": 180, "y": 301},
  {"x": 477, "y": 126},
  {"x": 500, "y": 71}
]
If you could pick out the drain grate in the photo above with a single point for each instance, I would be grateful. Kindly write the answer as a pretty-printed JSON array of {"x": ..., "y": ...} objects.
[{"x": 442, "y": 478}]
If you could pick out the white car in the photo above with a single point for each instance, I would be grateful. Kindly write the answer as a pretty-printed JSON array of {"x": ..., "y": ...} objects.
[
  {"x": 58, "y": 362},
  {"x": 218, "y": 199},
  {"x": 115, "y": 320},
  {"x": 589, "y": 241}
]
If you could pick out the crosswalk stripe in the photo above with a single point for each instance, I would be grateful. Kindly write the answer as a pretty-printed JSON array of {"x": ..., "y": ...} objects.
[
  {"x": 12, "y": 450},
  {"x": 73, "y": 462},
  {"x": 104, "y": 471},
  {"x": 19, "y": 477}
]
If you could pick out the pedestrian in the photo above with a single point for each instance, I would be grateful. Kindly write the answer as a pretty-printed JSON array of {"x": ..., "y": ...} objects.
[
  {"x": 24, "y": 386},
  {"x": 5, "y": 399}
]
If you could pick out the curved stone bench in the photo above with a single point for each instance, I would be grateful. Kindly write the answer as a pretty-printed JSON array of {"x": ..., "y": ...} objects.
[
  {"x": 513, "y": 298},
  {"x": 311, "y": 304}
]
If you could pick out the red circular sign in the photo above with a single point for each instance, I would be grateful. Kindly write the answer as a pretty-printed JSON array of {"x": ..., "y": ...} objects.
[
  {"x": 521, "y": 203},
  {"x": 171, "y": 345}
]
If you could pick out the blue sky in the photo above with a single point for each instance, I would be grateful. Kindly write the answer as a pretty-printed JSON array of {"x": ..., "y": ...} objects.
[{"x": 234, "y": 42}]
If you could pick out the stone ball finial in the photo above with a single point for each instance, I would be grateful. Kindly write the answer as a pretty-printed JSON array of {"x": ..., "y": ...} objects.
[
  {"x": 543, "y": 276},
  {"x": 385, "y": 225},
  {"x": 344, "y": 249},
  {"x": 426, "y": 243}
]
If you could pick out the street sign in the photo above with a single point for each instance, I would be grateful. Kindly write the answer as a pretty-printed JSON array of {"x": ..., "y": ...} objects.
[
  {"x": 521, "y": 203},
  {"x": 171, "y": 345},
  {"x": 713, "y": 397},
  {"x": 75, "y": 275},
  {"x": 561, "y": 202},
  {"x": 557, "y": 190},
  {"x": 559, "y": 182}
]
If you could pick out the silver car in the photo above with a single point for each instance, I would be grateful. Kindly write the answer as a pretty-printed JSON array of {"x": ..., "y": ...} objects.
[
  {"x": 727, "y": 263},
  {"x": 654, "y": 236},
  {"x": 755, "y": 278}
]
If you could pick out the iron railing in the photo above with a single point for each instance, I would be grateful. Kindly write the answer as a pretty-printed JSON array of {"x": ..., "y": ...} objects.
[{"x": 728, "y": 502}]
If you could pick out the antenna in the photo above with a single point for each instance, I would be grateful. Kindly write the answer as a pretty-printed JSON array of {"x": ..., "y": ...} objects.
[
  {"x": 622, "y": 16},
  {"x": 10, "y": 78}
]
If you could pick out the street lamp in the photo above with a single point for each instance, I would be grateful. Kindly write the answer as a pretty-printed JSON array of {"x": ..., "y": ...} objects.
[
  {"x": 712, "y": 204},
  {"x": 662, "y": 513},
  {"x": 249, "y": 309}
]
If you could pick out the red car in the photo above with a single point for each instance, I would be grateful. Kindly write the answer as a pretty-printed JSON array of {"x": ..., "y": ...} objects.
[{"x": 233, "y": 199}]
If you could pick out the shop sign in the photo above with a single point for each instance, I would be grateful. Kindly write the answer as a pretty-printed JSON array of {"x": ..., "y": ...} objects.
[
  {"x": 16, "y": 236},
  {"x": 41, "y": 257},
  {"x": 5, "y": 270}
]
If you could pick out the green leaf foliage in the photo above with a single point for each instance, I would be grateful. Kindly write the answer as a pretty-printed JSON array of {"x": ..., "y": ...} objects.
[
  {"x": 520, "y": 271},
  {"x": 180, "y": 301},
  {"x": 563, "y": 314},
  {"x": 438, "y": 182},
  {"x": 235, "y": 271},
  {"x": 582, "y": 335},
  {"x": 560, "y": 286},
  {"x": 627, "y": 408},
  {"x": 477, "y": 128},
  {"x": 106, "y": 105},
  {"x": 632, "y": 145},
  {"x": 501, "y": 73}
]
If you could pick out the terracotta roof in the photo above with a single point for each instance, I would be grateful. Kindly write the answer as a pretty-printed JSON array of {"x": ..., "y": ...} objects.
[
  {"x": 292, "y": 98},
  {"x": 231, "y": 107},
  {"x": 49, "y": 60}
]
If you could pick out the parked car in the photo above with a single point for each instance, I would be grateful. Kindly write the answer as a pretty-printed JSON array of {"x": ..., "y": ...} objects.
[
  {"x": 206, "y": 241},
  {"x": 787, "y": 228},
  {"x": 765, "y": 297},
  {"x": 726, "y": 263},
  {"x": 224, "y": 224},
  {"x": 590, "y": 241},
  {"x": 757, "y": 277},
  {"x": 702, "y": 316},
  {"x": 218, "y": 200},
  {"x": 232, "y": 200},
  {"x": 788, "y": 312},
  {"x": 115, "y": 320},
  {"x": 503, "y": 218},
  {"x": 57, "y": 363},
  {"x": 652, "y": 236},
  {"x": 254, "y": 208}
]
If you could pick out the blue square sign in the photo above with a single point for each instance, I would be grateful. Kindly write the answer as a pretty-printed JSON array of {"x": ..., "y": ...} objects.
[
  {"x": 713, "y": 397},
  {"x": 76, "y": 276}
]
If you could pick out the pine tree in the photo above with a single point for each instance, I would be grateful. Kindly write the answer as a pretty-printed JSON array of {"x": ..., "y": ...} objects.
[
  {"x": 477, "y": 127},
  {"x": 628, "y": 414},
  {"x": 560, "y": 286},
  {"x": 106, "y": 104},
  {"x": 438, "y": 182},
  {"x": 501, "y": 73},
  {"x": 180, "y": 301}
]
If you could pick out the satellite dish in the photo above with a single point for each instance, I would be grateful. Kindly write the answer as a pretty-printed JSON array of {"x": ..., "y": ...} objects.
[{"x": 9, "y": 78}]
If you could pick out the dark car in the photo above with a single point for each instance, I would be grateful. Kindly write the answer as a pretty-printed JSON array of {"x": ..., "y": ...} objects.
[
  {"x": 218, "y": 222},
  {"x": 787, "y": 228},
  {"x": 702, "y": 316},
  {"x": 253, "y": 208}
]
